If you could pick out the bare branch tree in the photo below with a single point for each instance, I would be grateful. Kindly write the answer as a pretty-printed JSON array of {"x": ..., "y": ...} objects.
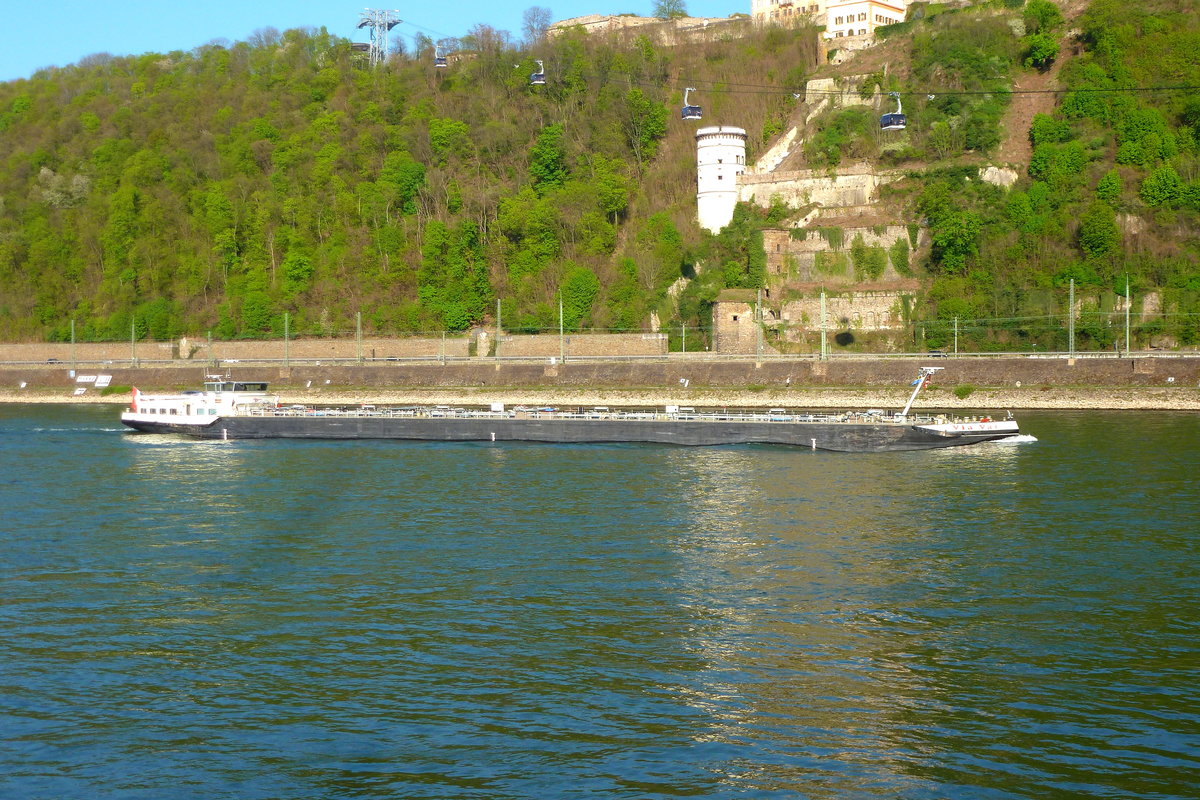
[{"x": 536, "y": 21}]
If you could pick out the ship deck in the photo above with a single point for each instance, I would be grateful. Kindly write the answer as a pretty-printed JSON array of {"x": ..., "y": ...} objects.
[{"x": 598, "y": 413}]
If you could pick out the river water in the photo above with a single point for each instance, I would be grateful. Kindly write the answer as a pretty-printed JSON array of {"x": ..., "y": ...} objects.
[{"x": 426, "y": 620}]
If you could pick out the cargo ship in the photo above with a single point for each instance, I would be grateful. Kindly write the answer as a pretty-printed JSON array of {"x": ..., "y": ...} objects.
[{"x": 237, "y": 409}]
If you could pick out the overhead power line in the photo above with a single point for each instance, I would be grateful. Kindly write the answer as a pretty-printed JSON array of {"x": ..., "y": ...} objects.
[{"x": 714, "y": 86}]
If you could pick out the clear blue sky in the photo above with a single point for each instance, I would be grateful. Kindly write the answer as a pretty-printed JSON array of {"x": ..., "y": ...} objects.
[{"x": 33, "y": 36}]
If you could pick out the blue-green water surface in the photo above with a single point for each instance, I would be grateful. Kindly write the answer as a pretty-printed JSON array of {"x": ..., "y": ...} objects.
[{"x": 276, "y": 619}]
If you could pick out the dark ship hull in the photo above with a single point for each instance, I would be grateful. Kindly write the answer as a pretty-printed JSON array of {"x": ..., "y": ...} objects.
[{"x": 851, "y": 436}]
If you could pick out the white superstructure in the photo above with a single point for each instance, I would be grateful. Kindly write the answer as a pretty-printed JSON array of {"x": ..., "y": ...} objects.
[
  {"x": 222, "y": 396},
  {"x": 720, "y": 158}
]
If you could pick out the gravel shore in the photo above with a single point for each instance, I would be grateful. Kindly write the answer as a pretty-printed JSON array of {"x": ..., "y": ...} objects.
[{"x": 983, "y": 399}]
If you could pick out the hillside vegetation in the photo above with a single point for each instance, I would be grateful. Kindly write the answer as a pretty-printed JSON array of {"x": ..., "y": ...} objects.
[
  {"x": 1111, "y": 193},
  {"x": 221, "y": 188}
]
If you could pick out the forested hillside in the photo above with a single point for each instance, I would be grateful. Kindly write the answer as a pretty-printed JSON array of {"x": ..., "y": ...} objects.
[
  {"x": 1111, "y": 193},
  {"x": 220, "y": 188}
]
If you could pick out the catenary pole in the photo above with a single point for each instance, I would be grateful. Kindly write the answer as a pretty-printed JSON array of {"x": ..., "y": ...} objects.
[
  {"x": 1071, "y": 320},
  {"x": 1128, "y": 303},
  {"x": 358, "y": 335},
  {"x": 823, "y": 352}
]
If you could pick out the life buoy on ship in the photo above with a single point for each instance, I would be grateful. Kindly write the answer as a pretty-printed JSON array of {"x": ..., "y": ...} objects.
[{"x": 985, "y": 419}]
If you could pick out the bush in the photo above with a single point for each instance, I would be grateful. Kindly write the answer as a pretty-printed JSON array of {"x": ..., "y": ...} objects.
[
  {"x": 1099, "y": 235},
  {"x": 1109, "y": 188},
  {"x": 849, "y": 133},
  {"x": 1040, "y": 51},
  {"x": 1162, "y": 188},
  {"x": 963, "y": 391}
]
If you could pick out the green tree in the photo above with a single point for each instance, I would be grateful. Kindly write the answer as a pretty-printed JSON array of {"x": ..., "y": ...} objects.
[
  {"x": 645, "y": 122},
  {"x": 548, "y": 160},
  {"x": 625, "y": 301},
  {"x": 297, "y": 273},
  {"x": 1099, "y": 235},
  {"x": 580, "y": 287},
  {"x": 1042, "y": 16},
  {"x": 739, "y": 249},
  {"x": 400, "y": 181},
  {"x": 1162, "y": 187},
  {"x": 955, "y": 238},
  {"x": 659, "y": 254},
  {"x": 1109, "y": 188},
  {"x": 669, "y": 9},
  {"x": 613, "y": 186},
  {"x": 448, "y": 137},
  {"x": 1047, "y": 129},
  {"x": 452, "y": 280}
]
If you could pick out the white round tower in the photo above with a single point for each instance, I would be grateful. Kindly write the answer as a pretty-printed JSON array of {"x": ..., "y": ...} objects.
[{"x": 720, "y": 158}]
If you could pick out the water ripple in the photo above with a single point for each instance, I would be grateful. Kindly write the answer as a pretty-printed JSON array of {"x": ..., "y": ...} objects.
[{"x": 324, "y": 619}]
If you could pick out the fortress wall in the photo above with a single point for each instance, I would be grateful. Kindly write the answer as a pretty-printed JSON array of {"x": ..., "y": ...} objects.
[
  {"x": 851, "y": 187},
  {"x": 795, "y": 260},
  {"x": 858, "y": 311}
]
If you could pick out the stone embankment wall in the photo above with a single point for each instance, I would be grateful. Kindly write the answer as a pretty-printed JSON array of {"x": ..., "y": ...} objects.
[
  {"x": 198, "y": 350},
  {"x": 42, "y": 352},
  {"x": 1034, "y": 375},
  {"x": 195, "y": 349},
  {"x": 585, "y": 344}
]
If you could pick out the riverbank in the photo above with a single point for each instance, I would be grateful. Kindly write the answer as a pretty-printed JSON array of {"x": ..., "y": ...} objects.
[
  {"x": 991, "y": 385},
  {"x": 800, "y": 397}
]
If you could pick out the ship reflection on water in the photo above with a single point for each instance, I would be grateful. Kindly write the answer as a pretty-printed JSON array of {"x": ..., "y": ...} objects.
[{"x": 804, "y": 600}]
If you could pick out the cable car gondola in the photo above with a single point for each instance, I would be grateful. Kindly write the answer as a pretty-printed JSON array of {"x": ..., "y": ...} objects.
[
  {"x": 439, "y": 60},
  {"x": 538, "y": 78},
  {"x": 896, "y": 121},
  {"x": 689, "y": 111}
]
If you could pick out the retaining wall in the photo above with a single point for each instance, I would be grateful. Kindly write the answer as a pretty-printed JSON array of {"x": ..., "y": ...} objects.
[{"x": 668, "y": 373}]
